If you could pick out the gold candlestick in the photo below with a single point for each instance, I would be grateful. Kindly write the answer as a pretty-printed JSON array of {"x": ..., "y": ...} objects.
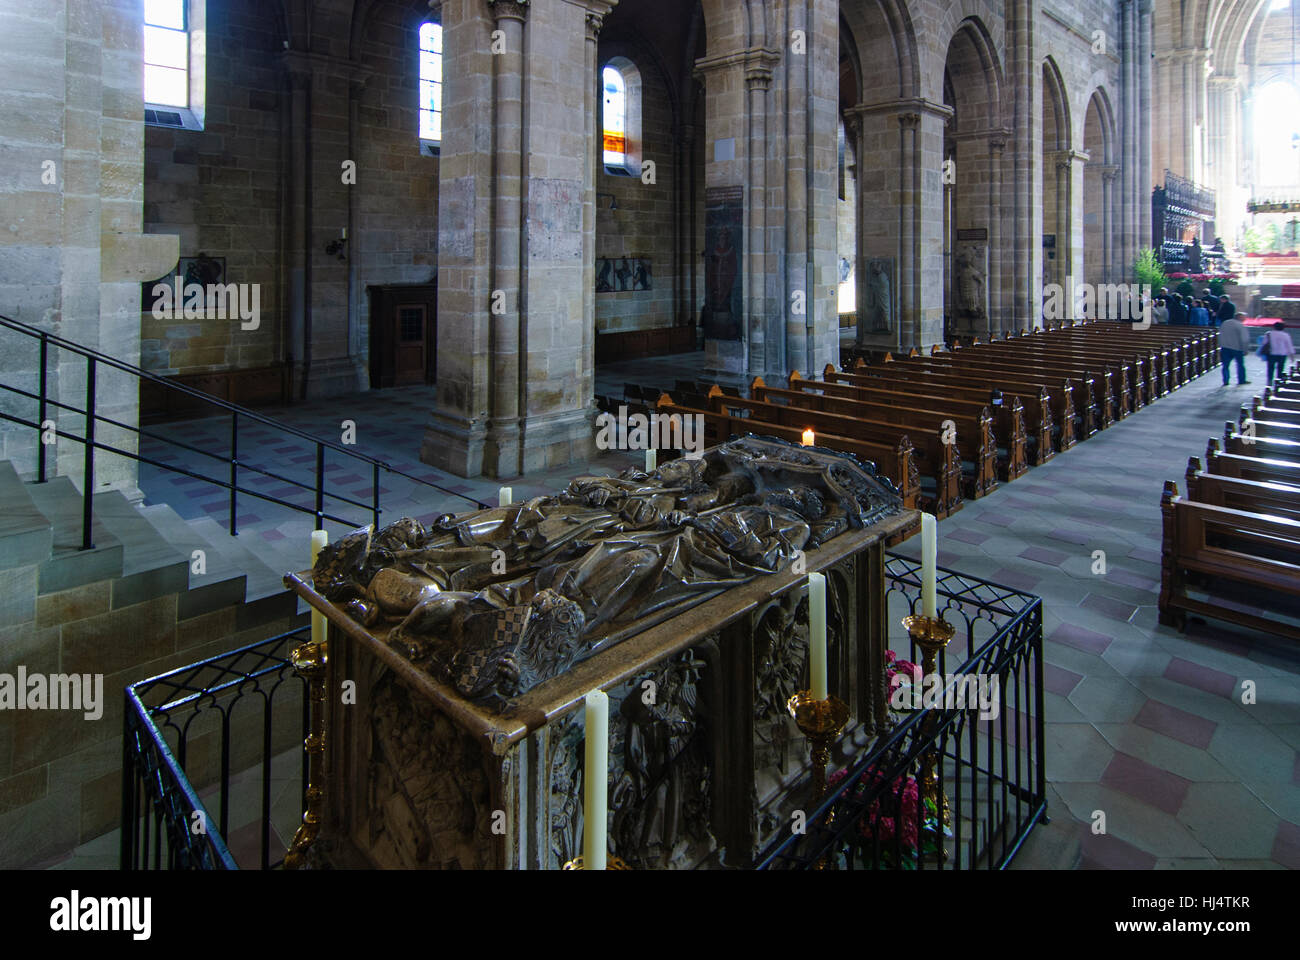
[
  {"x": 611, "y": 863},
  {"x": 931, "y": 634},
  {"x": 310, "y": 660},
  {"x": 821, "y": 721}
]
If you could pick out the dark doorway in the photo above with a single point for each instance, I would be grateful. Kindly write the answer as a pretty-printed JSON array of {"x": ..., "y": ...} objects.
[{"x": 403, "y": 335}]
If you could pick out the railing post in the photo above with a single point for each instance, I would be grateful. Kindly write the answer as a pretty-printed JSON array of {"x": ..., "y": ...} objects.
[
  {"x": 374, "y": 489},
  {"x": 234, "y": 468},
  {"x": 88, "y": 472},
  {"x": 320, "y": 485},
  {"x": 40, "y": 417}
]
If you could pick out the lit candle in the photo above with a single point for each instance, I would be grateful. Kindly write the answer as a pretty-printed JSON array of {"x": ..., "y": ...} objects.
[
  {"x": 319, "y": 538},
  {"x": 595, "y": 782},
  {"x": 929, "y": 556},
  {"x": 505, "y": 496},
  {"x": 809, "y": 438},
  {"x": 345, "y": 234},
  {"x": 651, "y": 461},
  {"x": 817, "y": 634}
]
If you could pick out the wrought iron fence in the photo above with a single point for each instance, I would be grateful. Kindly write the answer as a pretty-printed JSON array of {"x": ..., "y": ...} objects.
[
  {"x": 949, "y": 788},
  {"x": 200, "y": 723}
]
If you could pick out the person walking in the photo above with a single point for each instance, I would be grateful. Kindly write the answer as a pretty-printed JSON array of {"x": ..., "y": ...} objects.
[
  {"x": 1234, "y": 341},
  {"x": 1276, "y": 348}
]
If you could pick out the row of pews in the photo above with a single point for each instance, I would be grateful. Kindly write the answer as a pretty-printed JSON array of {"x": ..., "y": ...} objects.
[
  {"x": 1231, "y": 544},
  {"x": 952, "y": 425}
]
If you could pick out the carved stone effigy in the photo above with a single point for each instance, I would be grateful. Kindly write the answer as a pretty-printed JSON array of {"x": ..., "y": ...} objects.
[{"x": 472, "y": 642}]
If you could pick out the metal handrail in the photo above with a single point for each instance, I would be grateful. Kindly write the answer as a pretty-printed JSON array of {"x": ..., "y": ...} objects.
[{"x": 95, "y": 358}]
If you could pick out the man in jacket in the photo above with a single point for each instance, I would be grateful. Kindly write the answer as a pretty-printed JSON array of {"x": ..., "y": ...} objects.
[
  {"x": 1234, "y": 341},
  {"x": 1280, "y": 349}
]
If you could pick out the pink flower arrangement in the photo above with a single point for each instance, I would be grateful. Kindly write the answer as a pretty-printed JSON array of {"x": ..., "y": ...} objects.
[
  {"x": 902, "y": 796},
  {"x": 896, "y": 671}
]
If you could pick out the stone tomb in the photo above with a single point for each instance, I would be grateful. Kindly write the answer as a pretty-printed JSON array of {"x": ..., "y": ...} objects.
[{"x": 681, "y": 594}]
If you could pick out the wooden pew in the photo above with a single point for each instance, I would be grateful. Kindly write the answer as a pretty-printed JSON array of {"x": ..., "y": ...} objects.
[
  {"x": 1128, "y": 392},
  {"x": 1271, "y": 429},
  {"x": 1220, "y": 544},
  {"x": 1248, "y": 467},
  {"x": 1049, "y": 411},
  {"x": 968, "y": 430},
  {"x": 1258, "y": 446},
  {"x": 934, "y": 458},
  {"x": 1255, "y": 496},
  {"x": 1083, "y": 389},
  {"x": 1008, "y": 420},
  {"x": 1273, "y": 410},
  {"x": 893, "y": 461},
  {"x": 1098, "y": 384}
]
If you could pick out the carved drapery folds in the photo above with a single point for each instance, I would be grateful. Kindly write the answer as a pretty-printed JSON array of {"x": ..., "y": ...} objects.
[{"x": 496, "y": 602}]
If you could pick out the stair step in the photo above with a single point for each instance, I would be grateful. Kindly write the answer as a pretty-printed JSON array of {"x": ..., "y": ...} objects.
[
  {"x": 151, "y": 565},
  {"x": 59, "y": 500},
  {"x": 263, "y": 581},
  {"x": 26, "y": 536},
  {"x": 221, "y": 584}
]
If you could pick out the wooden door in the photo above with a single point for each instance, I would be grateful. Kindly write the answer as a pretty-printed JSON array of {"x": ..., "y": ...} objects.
[{"x": 411, "y": 340}]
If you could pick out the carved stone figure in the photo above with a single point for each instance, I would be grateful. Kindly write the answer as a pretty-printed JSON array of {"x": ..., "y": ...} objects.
[
  {"x": 500, "y": 600},
  {"x": 970, "y": 284},
  {"x": 877, "y": 312}
]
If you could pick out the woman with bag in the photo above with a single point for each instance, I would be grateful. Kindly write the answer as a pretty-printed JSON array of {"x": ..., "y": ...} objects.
[{"x": 1276, "y": 348}]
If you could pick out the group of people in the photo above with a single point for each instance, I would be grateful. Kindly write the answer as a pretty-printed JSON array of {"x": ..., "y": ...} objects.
[{"x": 1207, "y": 310}]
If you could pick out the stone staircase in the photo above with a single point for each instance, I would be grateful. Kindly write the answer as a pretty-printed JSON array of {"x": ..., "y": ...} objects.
[{"x": 134, "y": 606}]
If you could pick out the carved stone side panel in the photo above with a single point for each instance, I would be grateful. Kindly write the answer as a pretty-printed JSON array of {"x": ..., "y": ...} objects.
[
  {"x": 564, "y": 766},
  {"x": 430, "y": 799}
]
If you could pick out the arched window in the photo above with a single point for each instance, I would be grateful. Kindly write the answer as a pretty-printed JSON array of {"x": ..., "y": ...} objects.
[
  {"x": 431, "y": 83},
  {"x": 173, "y": 62},
  {"x": 1277, "y": 134},
  {"x": 621, "y": 117}
]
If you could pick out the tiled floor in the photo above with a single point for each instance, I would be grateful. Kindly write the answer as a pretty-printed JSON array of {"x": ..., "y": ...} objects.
[{"x": 1145, "y": 725}]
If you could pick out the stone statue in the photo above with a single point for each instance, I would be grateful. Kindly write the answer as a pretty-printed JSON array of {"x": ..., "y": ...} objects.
[
  {"x": 878, "y": 304},
  {"x": 970, "y": 285},
  {"x": 497, "y": 601}
]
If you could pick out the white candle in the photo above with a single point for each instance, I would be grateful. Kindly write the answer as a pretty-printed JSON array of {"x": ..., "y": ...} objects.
[
  {"x": 929, "y": 557},
  {"x": 595, "y": 782},
  {"x": 345, "y": 234},
  {"x": 505, "y": 496},
  {"x": 651, "y": 461},
  {"x": 319, "y": 538},
  {"x": 817, "y": 634}
]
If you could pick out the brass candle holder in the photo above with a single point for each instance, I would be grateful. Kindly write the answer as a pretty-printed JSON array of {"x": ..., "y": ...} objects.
[
  {"x": 821, "y": 721},
  {"x": 931, "y": 634},
  {"x": 611, "y": 863},
  {"x": 309, "y": 661}
]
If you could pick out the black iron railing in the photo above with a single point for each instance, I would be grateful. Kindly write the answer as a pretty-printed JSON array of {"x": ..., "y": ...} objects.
[
  {"x": 229, "y": 464},
  {"x": 233, "y": 713},
  {"x": 988, "y": 787}
]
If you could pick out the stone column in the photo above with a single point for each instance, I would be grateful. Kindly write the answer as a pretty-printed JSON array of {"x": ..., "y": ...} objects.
[
  {"x": 296, "y": 249},
  {"x": 1110, "y": 248},
  {"x": 1000, "y": 309},
  {"x": 1144, "y": 122},
  {"x": 793, "y": 350},
  {"x": 1225, "y": 159},
  {"x": 758, "y": 80},
  {"x": 501, "y": 451},
  {"x": 1026, "y": 77},
  {"x": 596, "y": 12}
]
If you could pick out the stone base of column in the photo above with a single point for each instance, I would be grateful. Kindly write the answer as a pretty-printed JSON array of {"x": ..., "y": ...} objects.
[
  {"x": 469, "y": 449},
  {"x": 725, "y": 358},
  {"x": 334, "y": 377}
]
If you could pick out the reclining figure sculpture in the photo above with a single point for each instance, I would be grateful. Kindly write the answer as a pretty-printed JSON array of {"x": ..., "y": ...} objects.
[{"x": 496, "y": 601}]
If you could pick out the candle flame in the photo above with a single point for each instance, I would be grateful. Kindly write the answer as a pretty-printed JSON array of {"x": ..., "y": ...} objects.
[{"x": 809, "y": 437}]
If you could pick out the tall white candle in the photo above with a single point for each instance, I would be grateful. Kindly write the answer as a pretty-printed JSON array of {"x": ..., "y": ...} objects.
[
  {"x": 929, "y": 557},
  {"x": 817, "y": 634},
  {"x": 319, "y": 539},
  {"x": 595, "y": 782},
  {"x": 506, "y": 496},
  {"x": 651, "y": 461}
]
